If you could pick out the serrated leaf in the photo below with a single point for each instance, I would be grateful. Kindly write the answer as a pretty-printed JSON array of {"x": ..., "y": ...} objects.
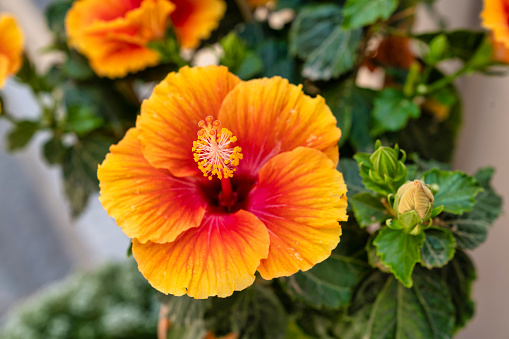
[
  {"x": 330, "y": 283},
  {"x": 21, "y": 134},
  {"x": 80, "y": 170},
  {"x": 254, "y": 313},
  {"x": 392, "y": 111},
  {"x": 184, "y": 310},
  {"x": 400, "y": 252},
  {"x": 488, "y": 203},
  {"x": 456, "y": 190},
  {"x": 439, "y": 247},
  {"x": 384, "y": 309},
  {"x": 368, "y": 209},
  {"x": 468, "y": 230},
  {"x": 316, "y": 36},
  {"x": 359, "y": 13},
  {"x": 311, "y": 27},
  {"x": 335, "y": 56},
  {"x": 459, "y": 276}
]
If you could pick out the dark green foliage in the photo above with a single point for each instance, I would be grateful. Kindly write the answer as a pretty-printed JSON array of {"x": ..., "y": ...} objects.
[{"x": 330, "y": 284}]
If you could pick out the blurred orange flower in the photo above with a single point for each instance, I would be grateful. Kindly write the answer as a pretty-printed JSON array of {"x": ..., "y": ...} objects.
[
  {"x": 113, "y": 34},
  {"x": 495, "y": 17},
  {"x": 267, "y": 199},
  {"x": 11, "y": 47}
]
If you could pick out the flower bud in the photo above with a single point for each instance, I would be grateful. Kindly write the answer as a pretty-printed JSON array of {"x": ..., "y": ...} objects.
[
  {"x": 385, "y": 161},
  {"x": 414, "y": 196}
]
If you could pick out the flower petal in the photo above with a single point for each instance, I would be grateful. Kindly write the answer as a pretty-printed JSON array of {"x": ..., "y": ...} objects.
[
  {"x": 217, "y": 258},
  {"x": 300, "y": 197},
  {"x": 270, "y": 116},
  {"x": 495, "y": 16},
  {"x": 148, "y": 203},
  {"x": 11, "y": 46},
  {"x": 194, "y": 20},
  {"x": 169, "y": 118},
  {"x": 114, "y": 34}
]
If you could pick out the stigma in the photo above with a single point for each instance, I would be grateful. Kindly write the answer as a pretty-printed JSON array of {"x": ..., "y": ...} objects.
[{"x": 214, "y": 152}]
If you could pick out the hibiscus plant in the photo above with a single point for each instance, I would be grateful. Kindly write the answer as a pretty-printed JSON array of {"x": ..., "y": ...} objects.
[{"x": 277, "y": 193}]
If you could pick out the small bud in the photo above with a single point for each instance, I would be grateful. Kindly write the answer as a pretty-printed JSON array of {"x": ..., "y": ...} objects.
[{"x": 414, "y": 196}]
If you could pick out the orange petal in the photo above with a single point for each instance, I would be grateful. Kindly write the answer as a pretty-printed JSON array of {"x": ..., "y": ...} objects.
[
  {"x": 218, "y": 258},
  {"x": 11, "y": 46},
  {"x": 300, "y": 198},
  {"x": 495, "y": 17},
  {"x": 270, "y": 116},
  {"x": 169, "y": 118},
  {"x": 194, "y": 20},
  {"x": 148, "y": 203},
  {"x": 114, "y": 34}
]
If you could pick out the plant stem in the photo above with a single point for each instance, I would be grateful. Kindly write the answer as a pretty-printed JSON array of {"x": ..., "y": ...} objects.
[{"x": 245, "y": 10}]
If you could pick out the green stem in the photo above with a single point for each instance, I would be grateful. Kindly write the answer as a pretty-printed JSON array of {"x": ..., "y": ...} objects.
[{"x": 423, "y": 89}]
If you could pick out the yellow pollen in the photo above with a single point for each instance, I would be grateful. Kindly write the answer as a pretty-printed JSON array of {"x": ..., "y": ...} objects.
[{"x": 213, "y": 150}]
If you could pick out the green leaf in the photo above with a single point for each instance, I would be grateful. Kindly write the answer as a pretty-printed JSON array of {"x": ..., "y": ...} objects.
[
  {"x": 335, "y": 56},
  {"x": 184, "y": 310},
  {"x": 359, "y": 13},
  {"x": 469, "y": 230},
  {"x": 368, "y": 209},
  {"x": 488, "y": 203},
  {"x": 82, "y": 119},
  {"x": 400, "y": 252},
  {"x": 459, "y": 276},
  {"x": 462, "y": 44},
  {"x": 54, "y": 150},
  {"x": 21, "y": 134},
  {"x": 254, "y": 313},
  {"x": 455, "y": 190},
  {"x": 238, "y": 58},
  {"x": 312, "y": 25},
  {"x": 392, "y": 111},
  {"x": 275, "y": 57},
  {"x": 350, "y": 170},
  {"x": 295, "y": 332},
  {"x": 330, "y": 283},
  {"x": 352, "y": 106},
  {"x": 77, "y": 67},
  {"x": 317, "y": 37},
  {"x": 384, "y": 309},
  {"x": 439, "y": 247},
  {"x": 80, "y": 170}
]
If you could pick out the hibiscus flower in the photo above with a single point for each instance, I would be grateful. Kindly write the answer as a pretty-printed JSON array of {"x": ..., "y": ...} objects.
[
  {"x": 221, "y": 178},
  {"x": 11, "y": 47},
  {"x": 114, "y": 34}
]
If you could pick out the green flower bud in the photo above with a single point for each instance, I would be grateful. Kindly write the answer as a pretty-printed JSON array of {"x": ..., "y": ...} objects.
[
  {"x": 414, "y": 196},
  {"x": 385, "y": 161}
]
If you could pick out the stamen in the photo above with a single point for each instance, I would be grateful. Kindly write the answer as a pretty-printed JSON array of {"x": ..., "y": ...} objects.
[{"x": 213, "y": 150}]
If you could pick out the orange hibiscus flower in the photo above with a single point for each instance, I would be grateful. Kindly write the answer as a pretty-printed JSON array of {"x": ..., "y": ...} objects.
[
  {"x": 11, "y": 47},
  {"x": 495, "y": 17},
  {"x": 205, "y": 208},
  {"x": 114, "y": 34}
]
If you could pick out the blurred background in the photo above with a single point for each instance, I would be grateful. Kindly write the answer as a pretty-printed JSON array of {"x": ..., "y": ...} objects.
[{"x": 39, "y": 243}]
